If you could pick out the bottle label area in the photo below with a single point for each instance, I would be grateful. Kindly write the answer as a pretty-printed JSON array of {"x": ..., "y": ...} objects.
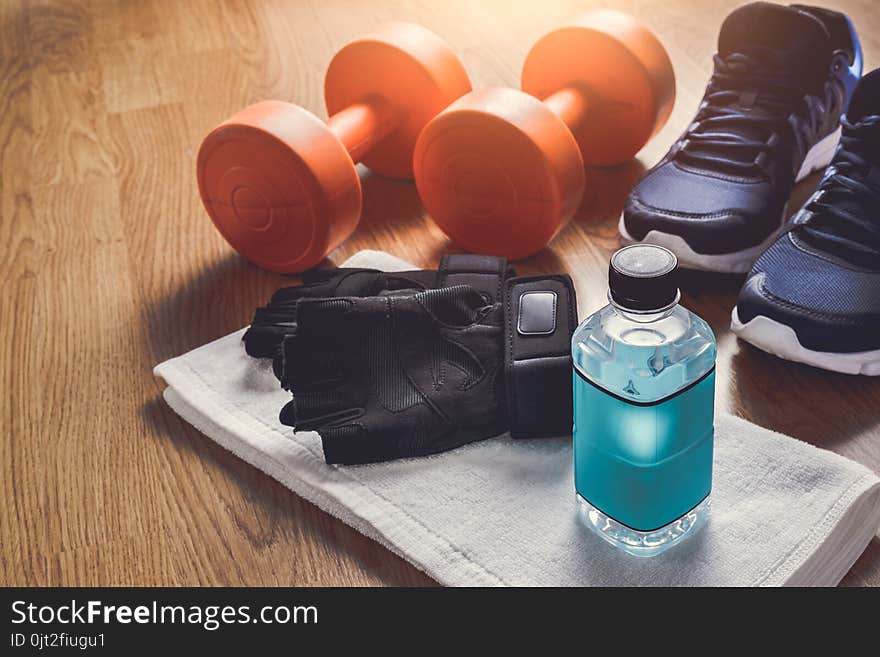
[{"x": 644, "y": 465}]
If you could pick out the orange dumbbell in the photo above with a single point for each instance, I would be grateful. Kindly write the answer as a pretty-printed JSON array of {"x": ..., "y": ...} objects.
[
  {"x": 502, "y": 171},
  {"x": 281, "y": 185}
]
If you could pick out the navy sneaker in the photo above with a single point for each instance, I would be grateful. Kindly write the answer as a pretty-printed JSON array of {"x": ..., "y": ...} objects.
[
  {"x": 783, "y": 77},
  {"x": 814, "y": 296}
]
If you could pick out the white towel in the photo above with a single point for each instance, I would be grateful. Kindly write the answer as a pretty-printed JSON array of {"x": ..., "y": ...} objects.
[{"x": 502, "y": 511}]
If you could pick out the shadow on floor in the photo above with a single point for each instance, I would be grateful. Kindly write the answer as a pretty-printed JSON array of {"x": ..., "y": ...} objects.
[
  {"x": 388, "y": 204},
  {"x": 212, "y": 302},
  {"x": 604, "y": 197},
  {"x": 864, "y": 570},
  {"x": 824, "y": 408}
]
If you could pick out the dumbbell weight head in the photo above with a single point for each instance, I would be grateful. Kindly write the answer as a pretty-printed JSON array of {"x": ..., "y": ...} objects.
[
  {"x": 278, "y": 186},
  {"x": 502, "y": 172},
  {"x": 412, "y": 70},
  {"x": 622, "y": 69},
  {"x": 498, "y": 172},
  {"x": 281, "y": 185}
]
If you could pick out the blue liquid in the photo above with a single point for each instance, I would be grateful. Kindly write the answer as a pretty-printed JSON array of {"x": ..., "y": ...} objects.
[{"x": 644, "y": 391}]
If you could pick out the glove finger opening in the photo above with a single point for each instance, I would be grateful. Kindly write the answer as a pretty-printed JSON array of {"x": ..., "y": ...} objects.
[
  {"x": 346, "y": 444},
  {"x": 315, "y": 411},
  {"x": 322, "y": 317},
  {"x": 263, "y": 341},
  {"x": 307, "y": 364}
]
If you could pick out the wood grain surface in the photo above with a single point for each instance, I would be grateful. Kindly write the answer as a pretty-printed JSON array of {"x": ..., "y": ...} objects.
[{"x": 109, "y": 265}]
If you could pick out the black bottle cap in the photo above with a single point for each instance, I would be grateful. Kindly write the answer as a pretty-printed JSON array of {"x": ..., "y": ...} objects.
[{"x": 643, "y": 277}]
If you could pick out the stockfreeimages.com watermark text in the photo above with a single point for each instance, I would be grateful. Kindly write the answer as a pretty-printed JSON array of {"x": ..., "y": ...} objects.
[{"x": 209, "y": 617}]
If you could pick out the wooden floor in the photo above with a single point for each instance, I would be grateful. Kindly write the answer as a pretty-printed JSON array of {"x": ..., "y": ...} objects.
[{"x": 109, "y": 265}]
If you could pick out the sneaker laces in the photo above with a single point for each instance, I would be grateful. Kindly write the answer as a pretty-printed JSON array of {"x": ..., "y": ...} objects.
[
  {"x": 746, "y": 109},
  {"x": 845, "y": 210}
]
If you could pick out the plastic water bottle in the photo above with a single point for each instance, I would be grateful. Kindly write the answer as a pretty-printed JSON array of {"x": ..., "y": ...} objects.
[{"x": 644, "y": 393}]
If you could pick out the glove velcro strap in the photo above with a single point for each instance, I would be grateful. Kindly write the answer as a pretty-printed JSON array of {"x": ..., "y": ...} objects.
[
  {"x": 486, "y": 274},
  {"x": 540, "y": 315}
]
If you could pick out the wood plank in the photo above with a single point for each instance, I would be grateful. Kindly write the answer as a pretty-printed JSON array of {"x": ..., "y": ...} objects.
[{"x": 22, "y": 479}]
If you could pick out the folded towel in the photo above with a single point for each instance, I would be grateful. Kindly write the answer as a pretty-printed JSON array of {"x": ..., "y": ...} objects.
[{"x": 502, "y": 511}]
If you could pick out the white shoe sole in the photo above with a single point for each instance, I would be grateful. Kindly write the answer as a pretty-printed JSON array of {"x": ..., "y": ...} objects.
[
  {"x": 737, "y": 262},
  {"x": 781, "y": 340}
]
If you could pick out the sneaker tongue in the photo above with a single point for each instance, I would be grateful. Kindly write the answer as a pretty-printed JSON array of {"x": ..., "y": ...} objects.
[
  {"x": 865, "y": 102},
  {"x": 866, "y": 98},
  {"x": 794, "y": 35}
]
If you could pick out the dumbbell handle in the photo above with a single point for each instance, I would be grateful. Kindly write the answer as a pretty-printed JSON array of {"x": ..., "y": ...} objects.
[
  {"x": 570, "y": 104},
  {"x": 363, "y": 125}
]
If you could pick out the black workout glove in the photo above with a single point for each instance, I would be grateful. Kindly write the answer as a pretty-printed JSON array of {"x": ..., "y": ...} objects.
[
  {"x": 278, "y": 319},
  {"x": 384, "y": 377}
]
